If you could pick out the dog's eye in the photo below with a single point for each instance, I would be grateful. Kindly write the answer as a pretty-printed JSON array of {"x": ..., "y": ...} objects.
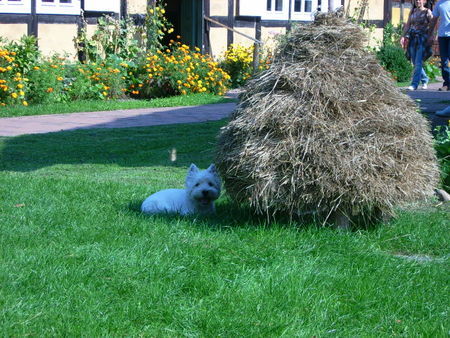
[
  {"x": 197, "y": 184},
  {"x": 210, "y": 184}
]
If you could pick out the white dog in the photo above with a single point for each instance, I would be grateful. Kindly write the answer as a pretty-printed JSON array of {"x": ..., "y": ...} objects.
[{"x": 202, "y": 189}]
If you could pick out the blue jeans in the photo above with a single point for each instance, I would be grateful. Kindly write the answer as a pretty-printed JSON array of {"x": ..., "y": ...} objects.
[
  {"x": 416, "y": 50},
  {"x": 444, "y": 50}
]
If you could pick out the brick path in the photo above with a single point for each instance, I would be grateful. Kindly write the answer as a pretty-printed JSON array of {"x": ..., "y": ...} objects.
[{"x": 14, "y": 126}]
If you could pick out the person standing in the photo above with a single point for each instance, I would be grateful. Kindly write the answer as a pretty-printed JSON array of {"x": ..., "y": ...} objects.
[
  {"x": 415, "y": 40},
  {"x": 441, "y": 11}
]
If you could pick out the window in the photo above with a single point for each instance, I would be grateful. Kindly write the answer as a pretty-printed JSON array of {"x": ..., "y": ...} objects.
[
  {"x": 304, "y": 9},
  {"x": 15, "y": 6},
  {"x": 66, "y": 7},
  {"x": 104, "y": 5},
  {"x": 274, "y": 4},
  {"x": 278, "y": 5},
  {"x": 308, "y": 6}
]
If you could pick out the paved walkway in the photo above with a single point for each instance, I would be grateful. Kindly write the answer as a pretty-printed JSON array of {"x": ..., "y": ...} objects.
[
  {"x": 14, "y": 126},
  {"x": 431, "y": 100}
]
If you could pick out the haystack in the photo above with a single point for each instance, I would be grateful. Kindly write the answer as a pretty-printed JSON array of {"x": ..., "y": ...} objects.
[{"x": 326, "y": 129}]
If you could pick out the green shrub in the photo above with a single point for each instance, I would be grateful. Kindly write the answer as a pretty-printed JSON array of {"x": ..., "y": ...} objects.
[
  {"x": 178, "y": 70},
  {"x": 112, "y": 36},
  {"x": 237, "y": 61},
  {"x": 442, "y": 146},
  {"x": 432, "y": 68},
  {"x": 26, "y": 53},
  {"x": 392, "y": 56},
  {"x": 103, "y": 80},
  {"x": 393, "y": 59},
  {"x": 47, "y": 82}
]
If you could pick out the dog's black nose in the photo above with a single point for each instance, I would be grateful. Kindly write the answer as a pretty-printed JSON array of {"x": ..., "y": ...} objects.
[{"x": 205, "y": 193}]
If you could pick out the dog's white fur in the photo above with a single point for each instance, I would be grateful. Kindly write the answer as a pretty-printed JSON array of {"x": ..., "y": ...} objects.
[{"x": 202, "y": 189}]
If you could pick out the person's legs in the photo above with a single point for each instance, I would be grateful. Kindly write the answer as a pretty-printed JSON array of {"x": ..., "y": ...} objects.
[
  {"x": 423, "y": 77},
  {"x": 444, "y": 50},
  {"x": 416, "y": 53}
]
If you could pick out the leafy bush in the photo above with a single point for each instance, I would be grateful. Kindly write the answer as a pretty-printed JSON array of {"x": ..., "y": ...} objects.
[
  {"x": 47, "y": 81},
  {"x": 392, "y": 56},
  {"x": 432, "y": 68},
  {"x": 106, "y": 79},
  {"x": 112, "y": 37},
  {"x": 178, "y": 70},
  {"x": 12, "y": 82},
  {"x": 157, "y": 26},
  {"x": 442, "y": 146},
  {"x": 26, "y": 52},
  {"x": 116, "y": 66},
  {"x": 237, "y": 61},
  {"x": 393, "y": 59}
]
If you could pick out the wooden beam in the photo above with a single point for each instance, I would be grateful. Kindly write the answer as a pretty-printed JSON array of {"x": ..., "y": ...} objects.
[
  {"x": 232, "y": 29},
  {"x": 387, "y": 12},
  {"x": 230, "y": 22},
  {"x": 33, "y": 23}
]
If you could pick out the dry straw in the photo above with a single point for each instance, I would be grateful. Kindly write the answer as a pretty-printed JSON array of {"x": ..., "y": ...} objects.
[{"x": 326, "y": 129}]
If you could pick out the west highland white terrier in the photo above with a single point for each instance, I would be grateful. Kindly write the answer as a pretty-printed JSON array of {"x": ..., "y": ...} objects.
[{"x": 202, "y": 189}]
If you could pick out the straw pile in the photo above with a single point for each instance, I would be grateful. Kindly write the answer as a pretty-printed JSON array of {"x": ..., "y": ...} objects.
[{"x": 326, "y": 129}]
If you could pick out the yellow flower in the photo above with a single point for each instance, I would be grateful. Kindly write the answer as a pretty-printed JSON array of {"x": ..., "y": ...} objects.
[
  {"x": 59, "y": 78},
  {"x": 20, "y": 86},
  {"x": 163, "y": 11},
  {"x": 14, "y": 95},
  {"x": 36, "y": 68},
  {"x": 105, "y": 93},
  {"x": 151, "y": 11},
  {"x": 21, "y": 93},
  {"x": 170, "y": 31},
  {"x": 25, "y": 103}
]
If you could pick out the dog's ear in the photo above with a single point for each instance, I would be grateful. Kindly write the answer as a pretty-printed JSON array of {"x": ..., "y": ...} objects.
[
  {"x": 212, "y": 169},
  {"x": 193, "y": 169}
]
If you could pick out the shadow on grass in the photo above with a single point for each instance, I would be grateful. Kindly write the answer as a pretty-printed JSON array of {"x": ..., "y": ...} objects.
[
  {"x": 234, "y": 215},
  {"x": 168, "y": 145}
]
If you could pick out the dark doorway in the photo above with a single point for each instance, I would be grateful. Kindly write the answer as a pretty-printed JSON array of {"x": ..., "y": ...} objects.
[{"x": 187, "y": 19}]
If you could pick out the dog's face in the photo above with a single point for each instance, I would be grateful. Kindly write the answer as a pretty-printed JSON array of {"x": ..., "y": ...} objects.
[{"x": 203, "y": 186}]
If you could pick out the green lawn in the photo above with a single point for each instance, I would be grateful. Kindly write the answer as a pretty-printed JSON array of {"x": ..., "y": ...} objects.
[
  {"x": 77, "y": 258},
  {"x": 98, "y": 105}
]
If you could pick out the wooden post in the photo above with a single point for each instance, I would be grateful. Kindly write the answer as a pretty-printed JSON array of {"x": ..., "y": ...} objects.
[
  {"x": 387, "y": 12},
  {"x": 402, "y": 9},
  {"x": 230, "y": 22},
  {"x": 256, "y": 45}
]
